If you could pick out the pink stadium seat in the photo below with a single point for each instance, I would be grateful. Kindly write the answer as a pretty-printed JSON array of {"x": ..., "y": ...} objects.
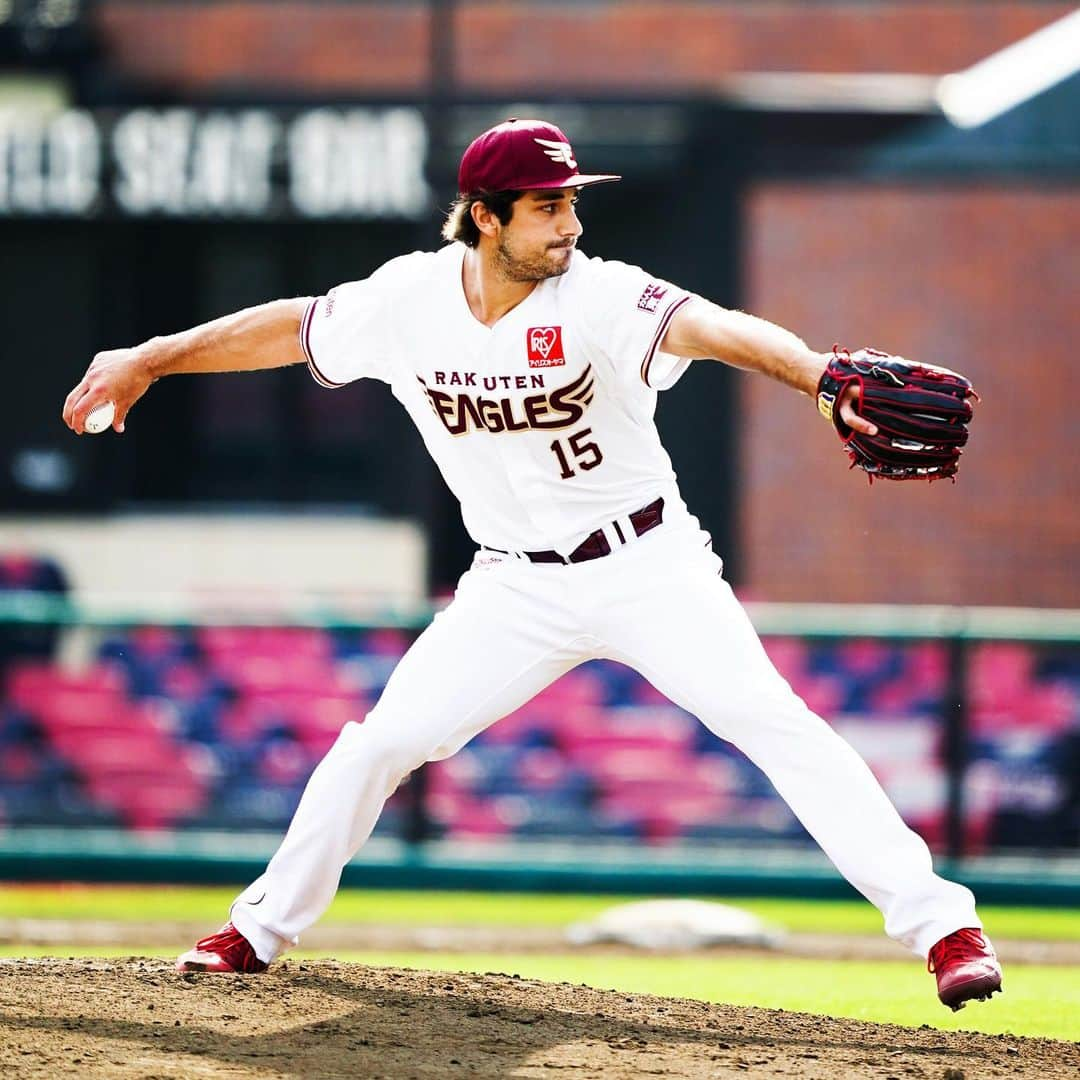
[
  {"x": 213, "y": 640},
  {"x": 255, "y": 673},
  {"x": 789, "y": 655},
  {"x": 62, "y": 708},
  {"x": 281, "y": 702},
  {"x": 28, "y": 681},
  {"x": 669, "y": 819},
  {"x": 1049, "y": 709},
  {"x": 667, "y": 815},
  {"x": 141, "y": 751},
  {"x": 823, "y": 694},
  {"x": 1000, "y": 674},
  {"x": 388, "y": 642},
  {"x": 541, "y": 768},
  {"x": 148, "y": 778},
  {"x": 315, "y": 720},
  {"x": 248, "y": 719},
  {"x": 473, "y": 817},
  {"x": 576, "y": 688},
  {"x": 298, "y": 641},
  {"x": 926, "y": 667},
  {"x": 447, "y": 804},
  {"x": 184, "y": 681},
  {"x": 218, "y": 642},
  {"x": 71, "y": 742},
  {"x": 565, "y": 718},
  {"x": 156, "y": 641},
  {"x": 450, "y": 778},
  {"x": 865, "y": 656},
  {"x": 644, "y": 726},
  {"x": 318, "y": 721},
  {"x": 584, "y": 747},
  {"x": 285, "y": 762},
  {"x": 606, "y": 765},
  {"x": 316, "y": 743},
  {"x": 150, "y": 800},
  {"x": 895, "y": 696},
  {"x": 647, "y": 694},
  {"x": 533, "y": 717},
  {"x": 694, "y": 785}
]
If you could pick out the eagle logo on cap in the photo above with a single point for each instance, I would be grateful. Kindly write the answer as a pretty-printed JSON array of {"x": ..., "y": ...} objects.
[{"x": 560, "y": 152}]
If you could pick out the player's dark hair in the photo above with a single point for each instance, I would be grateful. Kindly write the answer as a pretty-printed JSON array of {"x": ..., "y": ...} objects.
[{"x": 459, "y": 224}]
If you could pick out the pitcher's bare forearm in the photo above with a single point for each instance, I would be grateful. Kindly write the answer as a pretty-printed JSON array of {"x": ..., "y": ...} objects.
[
  {"x": 254, "y": 339},
  {"x": 703, "y": 330}
]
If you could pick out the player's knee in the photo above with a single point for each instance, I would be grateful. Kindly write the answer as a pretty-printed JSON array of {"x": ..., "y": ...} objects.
[{"x": 376, "y": 748}]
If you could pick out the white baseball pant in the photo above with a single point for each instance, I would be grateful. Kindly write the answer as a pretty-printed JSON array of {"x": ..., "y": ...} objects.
[{"x": 659, "y": 605}]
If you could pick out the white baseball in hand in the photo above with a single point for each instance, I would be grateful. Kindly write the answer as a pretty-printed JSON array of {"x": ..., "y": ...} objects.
[{"x": 100, "y": 418}]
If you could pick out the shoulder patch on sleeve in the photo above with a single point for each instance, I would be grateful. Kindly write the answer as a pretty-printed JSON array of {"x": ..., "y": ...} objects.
[{"x": 652, "y": 297}]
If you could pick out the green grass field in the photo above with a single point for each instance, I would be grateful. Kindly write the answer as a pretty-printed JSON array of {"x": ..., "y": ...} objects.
[
  {"x": 1039, "y": 1000},
  {"x": 413, "y": 908}
]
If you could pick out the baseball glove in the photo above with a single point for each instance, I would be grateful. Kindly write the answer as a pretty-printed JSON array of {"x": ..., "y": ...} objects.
[{"x": 921, "y": 413}]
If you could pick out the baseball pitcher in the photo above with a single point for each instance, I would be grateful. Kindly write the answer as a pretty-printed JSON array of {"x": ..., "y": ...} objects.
[{"x": 532, "y": 371}]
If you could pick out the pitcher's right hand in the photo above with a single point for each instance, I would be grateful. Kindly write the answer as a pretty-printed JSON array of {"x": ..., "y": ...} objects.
[{"x": 117, "y": 375}]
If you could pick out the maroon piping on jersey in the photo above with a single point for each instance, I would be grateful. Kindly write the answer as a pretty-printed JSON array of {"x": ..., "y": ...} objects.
[
  {"x": 305, "y": 345},
  {"x": 661, "y": 330}
]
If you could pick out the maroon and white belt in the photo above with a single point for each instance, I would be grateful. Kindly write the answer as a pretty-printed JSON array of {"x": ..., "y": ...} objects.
[{"x": 597, "y": 544}]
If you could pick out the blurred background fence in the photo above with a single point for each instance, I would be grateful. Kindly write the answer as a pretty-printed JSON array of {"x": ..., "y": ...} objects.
[
  {"x": 902, "y": 174},
  {"x": 111, "y": 720}
]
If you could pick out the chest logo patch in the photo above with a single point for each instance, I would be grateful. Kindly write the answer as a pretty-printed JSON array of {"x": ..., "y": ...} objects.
[
  {"x": 550, "y": 410},
  {"x": 544, "y": 345}
]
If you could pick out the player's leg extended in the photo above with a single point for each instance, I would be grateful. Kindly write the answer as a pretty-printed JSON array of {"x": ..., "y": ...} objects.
[
  {"x": 501, "y": 641},
  {"x": 690, "y": 637}
]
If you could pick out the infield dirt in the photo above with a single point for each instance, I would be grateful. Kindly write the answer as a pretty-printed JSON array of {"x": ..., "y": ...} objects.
[{"x": 137, "y": 1018}]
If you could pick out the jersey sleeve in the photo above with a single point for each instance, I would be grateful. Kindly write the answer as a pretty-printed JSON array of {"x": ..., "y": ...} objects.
[
  {"x": 348, "y": 334},
  {"x": 628, "y": 312}
]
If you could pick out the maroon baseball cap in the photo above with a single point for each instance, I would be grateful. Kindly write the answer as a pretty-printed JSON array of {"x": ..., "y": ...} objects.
[{"x": 521, "y": 155}]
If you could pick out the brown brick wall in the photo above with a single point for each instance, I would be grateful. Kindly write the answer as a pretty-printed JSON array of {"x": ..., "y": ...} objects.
[
  {"x": 320, "y": 47},
  {"x": 672, "y": 46},
  {"x": 981, "y": 279},
  {"x": 513, "y": 47}
]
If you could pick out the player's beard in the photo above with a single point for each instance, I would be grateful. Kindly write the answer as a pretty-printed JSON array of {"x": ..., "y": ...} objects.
[{"x": 514, "y": 267}]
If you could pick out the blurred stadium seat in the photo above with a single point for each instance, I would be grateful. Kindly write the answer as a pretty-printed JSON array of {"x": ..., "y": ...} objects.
[{"x": 220, "y": 727}]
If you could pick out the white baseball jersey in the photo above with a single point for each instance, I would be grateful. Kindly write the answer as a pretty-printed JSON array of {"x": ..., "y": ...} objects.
[{"x": 542, "y": 425}]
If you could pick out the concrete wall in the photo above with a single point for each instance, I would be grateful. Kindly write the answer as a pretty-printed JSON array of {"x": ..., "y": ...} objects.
[{"x": 248, "y": 562}]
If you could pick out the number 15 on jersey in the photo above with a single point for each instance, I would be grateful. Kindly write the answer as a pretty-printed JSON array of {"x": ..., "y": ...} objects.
[{"x": 584, "y": 455}]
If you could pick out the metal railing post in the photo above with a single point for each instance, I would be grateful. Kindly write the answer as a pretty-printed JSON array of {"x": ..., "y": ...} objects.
[{"x": 956, "y": 716}]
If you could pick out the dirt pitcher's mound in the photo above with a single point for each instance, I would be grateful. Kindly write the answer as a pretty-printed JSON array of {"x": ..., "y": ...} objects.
[{"x": 131, "y": 1018}]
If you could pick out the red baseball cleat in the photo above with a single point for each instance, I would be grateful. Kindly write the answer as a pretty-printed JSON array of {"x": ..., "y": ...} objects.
[
  {"x": 227, "y": 950},
  {"x": 966, "y": 968}
]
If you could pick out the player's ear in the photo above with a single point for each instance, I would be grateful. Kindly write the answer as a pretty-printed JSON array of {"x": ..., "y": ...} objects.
[{"x": 485, "y": 219}]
